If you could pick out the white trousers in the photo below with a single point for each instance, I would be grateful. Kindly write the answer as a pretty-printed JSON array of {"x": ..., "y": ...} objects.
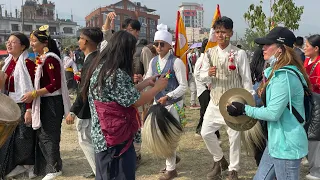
[
  {"x": 84, "y": 136},
  {"x": 213, "y": 121},
  {"x": 193, "y": 89},
  {"x": 171, "y": 162}
]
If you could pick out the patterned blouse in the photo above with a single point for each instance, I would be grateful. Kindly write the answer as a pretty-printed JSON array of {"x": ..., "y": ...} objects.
[{"x": 124, "y": 93}]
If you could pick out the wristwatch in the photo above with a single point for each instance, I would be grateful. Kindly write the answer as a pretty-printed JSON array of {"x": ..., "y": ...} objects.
[{"x": 72, "y": 114}]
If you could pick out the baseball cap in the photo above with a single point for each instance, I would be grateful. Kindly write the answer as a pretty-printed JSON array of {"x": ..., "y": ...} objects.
[{"x": 278, "y": 35}]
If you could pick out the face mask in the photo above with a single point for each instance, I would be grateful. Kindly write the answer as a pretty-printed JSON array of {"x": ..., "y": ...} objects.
[{"x": 272, "y": 60}]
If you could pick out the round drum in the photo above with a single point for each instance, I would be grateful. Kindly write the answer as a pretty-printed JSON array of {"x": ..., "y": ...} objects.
[{"x": 9, "y": 117}]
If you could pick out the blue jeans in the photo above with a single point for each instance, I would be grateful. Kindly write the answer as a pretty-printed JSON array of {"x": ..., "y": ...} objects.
[{"x": 283, "y": 169}]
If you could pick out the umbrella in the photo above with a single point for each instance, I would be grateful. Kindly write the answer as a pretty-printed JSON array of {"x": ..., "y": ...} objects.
[{"x": 196, "y": 45}]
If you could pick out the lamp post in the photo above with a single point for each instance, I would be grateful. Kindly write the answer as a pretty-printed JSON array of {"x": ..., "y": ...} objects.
[{"x": 22, "y": 17}]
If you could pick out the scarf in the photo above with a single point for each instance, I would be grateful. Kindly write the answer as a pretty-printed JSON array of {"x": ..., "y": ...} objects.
[
  {"x": 36, "y": 122},
  {"x": 22, "y": 79}
]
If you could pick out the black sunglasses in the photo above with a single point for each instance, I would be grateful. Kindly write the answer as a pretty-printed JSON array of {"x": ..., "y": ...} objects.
[{"x": 156, "y": 44}]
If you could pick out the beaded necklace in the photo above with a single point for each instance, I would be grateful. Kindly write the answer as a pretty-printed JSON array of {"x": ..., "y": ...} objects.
[{"x": 180, "y": 111}]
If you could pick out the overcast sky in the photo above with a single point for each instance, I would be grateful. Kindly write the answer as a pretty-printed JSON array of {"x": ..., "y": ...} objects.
[{"x": 167, "y": 10}]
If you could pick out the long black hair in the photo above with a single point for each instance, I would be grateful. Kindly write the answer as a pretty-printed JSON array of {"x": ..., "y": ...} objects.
[
  {"x": 117, "y": 55},
  {"x": 44, "y": 37},
  {"x": 257, "y": 65}
]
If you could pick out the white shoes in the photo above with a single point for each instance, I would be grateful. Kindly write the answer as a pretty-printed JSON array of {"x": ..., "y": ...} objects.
[
  {"x": 52, "y": 176},
  {"x": 16, "y": 171},
  {"x": 310, "y": 177}
]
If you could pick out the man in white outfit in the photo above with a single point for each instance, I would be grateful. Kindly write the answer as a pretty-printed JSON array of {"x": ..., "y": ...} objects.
[
  {"x": 224, "y": 67},
  {"x": 172, "y": 97}
]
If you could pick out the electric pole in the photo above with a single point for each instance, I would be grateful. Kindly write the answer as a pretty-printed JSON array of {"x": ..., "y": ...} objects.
[{"x": 22, "y": 17}]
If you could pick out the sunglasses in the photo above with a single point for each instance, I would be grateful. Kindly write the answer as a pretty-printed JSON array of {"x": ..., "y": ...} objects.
[{"x": 156, "y": 44}]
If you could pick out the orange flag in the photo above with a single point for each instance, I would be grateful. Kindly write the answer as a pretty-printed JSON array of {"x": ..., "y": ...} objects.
[
  {"x": 212, "y": 40},
  {"x": 181, "y": 45}
]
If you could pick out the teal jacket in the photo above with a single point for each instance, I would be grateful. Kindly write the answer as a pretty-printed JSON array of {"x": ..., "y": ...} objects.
[{"x": 287, "y": 138}]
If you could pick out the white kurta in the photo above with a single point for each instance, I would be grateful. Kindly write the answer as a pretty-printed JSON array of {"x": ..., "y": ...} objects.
[
  {"x": 201, "y": 86},
  {"x": 242, "y": 67}
]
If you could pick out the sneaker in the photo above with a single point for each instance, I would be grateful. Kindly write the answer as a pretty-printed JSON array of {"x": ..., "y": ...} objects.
[
  {"x": 310, "y": 177},
  {"x": 16, "y": 171},
  {"x": 52, "y": 176}
]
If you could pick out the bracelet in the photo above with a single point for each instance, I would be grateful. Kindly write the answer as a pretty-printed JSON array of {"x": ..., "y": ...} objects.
[
  {"x": 34, "y": 94},
  {"x": 28, "y": 110}
]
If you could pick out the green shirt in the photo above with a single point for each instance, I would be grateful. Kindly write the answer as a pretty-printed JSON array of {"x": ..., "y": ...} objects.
[{"x": 123, "y": 92}]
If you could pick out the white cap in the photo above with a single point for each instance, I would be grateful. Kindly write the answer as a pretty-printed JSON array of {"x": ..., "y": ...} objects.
[{"x": 162, "y": 34}]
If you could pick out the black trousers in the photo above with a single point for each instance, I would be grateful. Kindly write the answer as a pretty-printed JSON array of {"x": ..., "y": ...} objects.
[
  {"x": 204, "y": 100},
  {"x": 48, "y": 159},
  {"x": 109, "y": 167}
]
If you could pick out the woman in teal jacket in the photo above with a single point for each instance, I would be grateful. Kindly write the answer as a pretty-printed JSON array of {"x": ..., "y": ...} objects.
[{"x": 280, "y": 91}]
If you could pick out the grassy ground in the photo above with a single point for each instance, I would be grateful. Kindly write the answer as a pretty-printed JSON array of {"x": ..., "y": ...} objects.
[{"x": 195, "y": 158}]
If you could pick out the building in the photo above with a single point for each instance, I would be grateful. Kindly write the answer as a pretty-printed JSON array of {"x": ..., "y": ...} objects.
[
  {"x": 192, "y": 14},
  {"x": 126, "y": 9},
  {"x": 32, "y": 17}
]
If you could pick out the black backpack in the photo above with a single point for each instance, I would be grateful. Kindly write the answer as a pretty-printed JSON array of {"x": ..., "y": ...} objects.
[{"x": 312, "y": 111}]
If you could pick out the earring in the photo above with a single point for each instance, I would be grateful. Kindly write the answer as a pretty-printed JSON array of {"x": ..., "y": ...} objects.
[{"x": 45, "y": 50}]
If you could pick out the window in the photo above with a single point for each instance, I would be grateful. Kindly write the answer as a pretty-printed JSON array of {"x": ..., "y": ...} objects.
[
  {"x": 143, "y": 30},
  {"x": 52, "y": 30},
  {"x": 38, "y": 26},
  {"x": 68, "y": 30},
  {"x": 14, "y": 27},
  {"x": 152, "y": 22},
  {"x": 27, "y": 28},
  {"x": 119, "y": 6},
  {"x": 142, "y": 20},
  {"x": 117, "y": 28},
  {"x": 131, "y": 8},
  {"x": 143, "y": 10}
]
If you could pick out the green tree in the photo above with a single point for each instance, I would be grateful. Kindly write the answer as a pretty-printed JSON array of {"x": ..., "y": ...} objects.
[{"x": 283, "y": 12}]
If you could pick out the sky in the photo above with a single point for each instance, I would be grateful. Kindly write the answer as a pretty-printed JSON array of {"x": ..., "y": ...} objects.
[{"x": 167, "y": 9}]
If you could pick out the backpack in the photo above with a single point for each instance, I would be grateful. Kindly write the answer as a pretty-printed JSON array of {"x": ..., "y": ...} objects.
[{"x": 312, "y": 111}]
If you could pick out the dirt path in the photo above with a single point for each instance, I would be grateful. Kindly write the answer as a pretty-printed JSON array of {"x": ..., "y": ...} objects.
[{"x": 194, "y": 165}]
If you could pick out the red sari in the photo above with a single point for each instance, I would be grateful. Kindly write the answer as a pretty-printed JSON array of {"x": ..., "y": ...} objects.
[{"x": 314, "y": 76}]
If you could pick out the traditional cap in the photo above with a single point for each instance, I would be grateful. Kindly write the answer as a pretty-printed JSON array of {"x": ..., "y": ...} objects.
[{"x": 162, "y": 34}]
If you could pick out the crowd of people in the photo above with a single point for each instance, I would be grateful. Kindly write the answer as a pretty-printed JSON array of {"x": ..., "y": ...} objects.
[{"x": 121, "y": 77}]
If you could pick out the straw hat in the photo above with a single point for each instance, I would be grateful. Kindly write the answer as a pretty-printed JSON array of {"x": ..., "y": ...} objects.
[{"x": 239, "y": 123}]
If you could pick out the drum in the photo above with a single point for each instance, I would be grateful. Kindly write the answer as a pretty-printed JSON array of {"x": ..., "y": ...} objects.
[{"x": 9, "y": 117}]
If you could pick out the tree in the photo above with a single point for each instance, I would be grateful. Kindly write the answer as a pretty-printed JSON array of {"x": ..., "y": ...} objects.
[{"x": 283, "y": 12}]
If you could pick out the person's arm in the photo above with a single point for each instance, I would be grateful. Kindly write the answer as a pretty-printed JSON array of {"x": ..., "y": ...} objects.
[
  {"x": 279, "y": 98},
  {"x": 146, "y": 56},
  {"x": 31, "y": 66},
  {"x": 204, "y": 71},
  {"x": 149, "y": 72},
  {"x": 106, "y": 28},
  {"x": 244, "y": 71}
]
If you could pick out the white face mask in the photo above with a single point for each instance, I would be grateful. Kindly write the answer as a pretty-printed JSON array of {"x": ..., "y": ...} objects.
[{"x": 272, "y": 60}]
